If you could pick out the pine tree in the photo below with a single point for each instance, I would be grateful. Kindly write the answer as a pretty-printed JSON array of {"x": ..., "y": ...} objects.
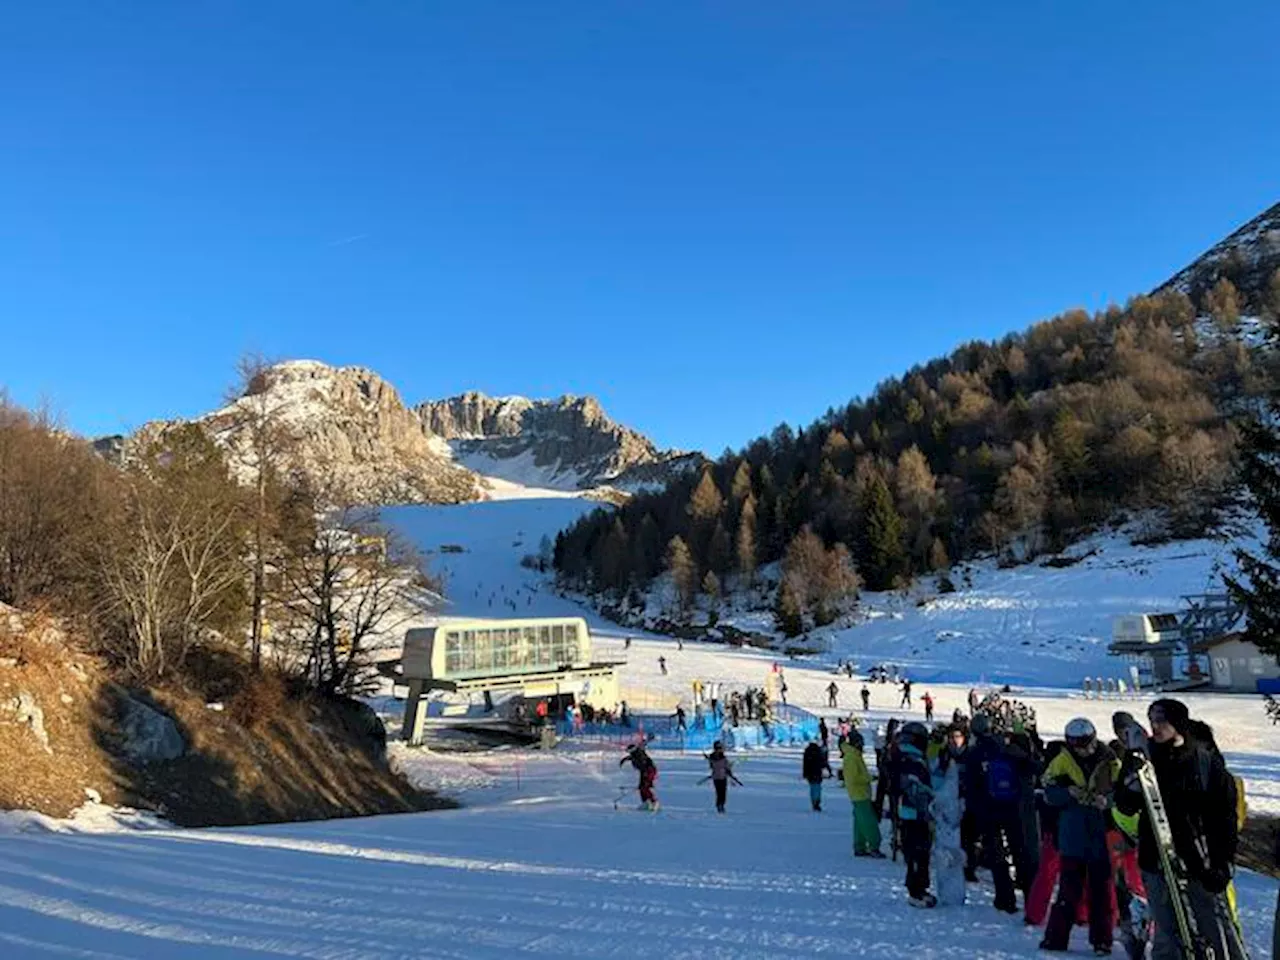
[
  {"x": 1222, "y": 303},
  {"x": 706, "y": 502},
  {"x": 720, "y": 550},
  {"x": 1067, "y": 443},
  {"x": 882, "y": 557},
  {"x": 740, "y": 488},
  {"x": 711, "y": 587},
  {"x": 1258, "y": 586}
]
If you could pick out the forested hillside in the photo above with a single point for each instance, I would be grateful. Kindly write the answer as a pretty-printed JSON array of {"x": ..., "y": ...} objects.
[{"x": 1014, "y": 447}]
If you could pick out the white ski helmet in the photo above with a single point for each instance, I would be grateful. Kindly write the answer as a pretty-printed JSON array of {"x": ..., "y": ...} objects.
[{"x": 1080, "y": 732}]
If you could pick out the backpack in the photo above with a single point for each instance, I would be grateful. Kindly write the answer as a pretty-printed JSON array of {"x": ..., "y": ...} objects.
[{"x": 1002, "y": 780}]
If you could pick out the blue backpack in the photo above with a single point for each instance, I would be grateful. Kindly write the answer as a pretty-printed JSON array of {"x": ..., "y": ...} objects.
[{"x": 1002, "y": 780}]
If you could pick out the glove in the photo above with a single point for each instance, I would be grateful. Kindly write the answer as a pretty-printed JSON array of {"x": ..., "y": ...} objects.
[{"x": 1216, "y": 878}]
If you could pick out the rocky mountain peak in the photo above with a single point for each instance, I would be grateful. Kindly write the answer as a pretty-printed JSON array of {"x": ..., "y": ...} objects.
[{"x": 1248, "y": 257}]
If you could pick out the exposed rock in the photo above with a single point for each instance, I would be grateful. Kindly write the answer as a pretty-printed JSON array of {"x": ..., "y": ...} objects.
[
  {"x": 566, "y": 443},
  {"x": 27, "y": 711},
  {"x": 1249, "y": 257},
  {"x": 357, "y": 441},
  {"x": 146, "y": 734}
]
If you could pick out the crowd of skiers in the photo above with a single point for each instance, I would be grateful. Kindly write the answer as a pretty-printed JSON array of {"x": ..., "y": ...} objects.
[{"x": 1069, "y": 815}]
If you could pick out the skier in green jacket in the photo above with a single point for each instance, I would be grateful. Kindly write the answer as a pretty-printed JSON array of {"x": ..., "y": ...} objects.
[{"x": 857, "y": 783}]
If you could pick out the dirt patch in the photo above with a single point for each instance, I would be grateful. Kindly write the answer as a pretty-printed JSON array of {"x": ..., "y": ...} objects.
[{"x": 253, "y": 753}]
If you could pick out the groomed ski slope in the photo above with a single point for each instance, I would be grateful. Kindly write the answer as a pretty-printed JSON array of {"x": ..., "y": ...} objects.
[
  {"x": 547, "y": 868},
  {"x": 539, "y": 862}
]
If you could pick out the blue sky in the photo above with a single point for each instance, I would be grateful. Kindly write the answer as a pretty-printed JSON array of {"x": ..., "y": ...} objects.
[{"x": 713, "y": 216}]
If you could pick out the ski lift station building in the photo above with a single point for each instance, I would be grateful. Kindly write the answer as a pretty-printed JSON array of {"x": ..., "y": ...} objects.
[{"x": 549, "y": 657}]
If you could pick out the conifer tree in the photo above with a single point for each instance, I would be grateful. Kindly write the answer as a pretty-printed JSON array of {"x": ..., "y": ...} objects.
[
  {"x": 1258, "y": 585},
  {"x": 740, "y": 488},
  {"x": 745, "y": 548},
  {"x": 786, "y": 610},
  {"x": 882, "y": 557},
  {"x": 684, "y": 575}
]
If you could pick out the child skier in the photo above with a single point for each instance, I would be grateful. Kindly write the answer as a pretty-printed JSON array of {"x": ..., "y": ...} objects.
[
  {"x": 857, "y": 783},
  {"x": 648, "y": 771},
  {"x": 721, "y": 774},
  {"x": 815, "y": 768},
  {"x": 915, "y": 799}
]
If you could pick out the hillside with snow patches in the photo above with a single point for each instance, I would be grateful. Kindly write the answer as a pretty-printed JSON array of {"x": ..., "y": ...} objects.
[{"x": 548, "y": 856}]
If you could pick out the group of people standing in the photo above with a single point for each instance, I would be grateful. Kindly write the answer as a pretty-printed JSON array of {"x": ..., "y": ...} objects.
[{"x": 1069, "y": 815}]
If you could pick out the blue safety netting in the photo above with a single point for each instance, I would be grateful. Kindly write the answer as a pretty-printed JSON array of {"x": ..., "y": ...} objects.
[{"x": 789, "y": 725}]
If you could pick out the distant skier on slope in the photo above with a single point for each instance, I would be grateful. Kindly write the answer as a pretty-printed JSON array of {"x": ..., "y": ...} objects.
[
  {"x": 866, "y": 698},
  {"x": 832, "y": 693},
  {"x": 906, "y": 693},
  {"x": 648, "y": 770}
]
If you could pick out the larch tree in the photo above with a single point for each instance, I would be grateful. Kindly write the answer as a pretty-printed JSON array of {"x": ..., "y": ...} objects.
[
  {"x": 683, "y": 571},
  {"x": 745, "y": 547}
]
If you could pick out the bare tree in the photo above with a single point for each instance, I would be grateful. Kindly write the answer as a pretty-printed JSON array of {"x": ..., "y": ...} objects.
[
  {"x": 262, "y": 455},
  {"x": 344, "y": 585},
  {"x": 170, "y": 567}
]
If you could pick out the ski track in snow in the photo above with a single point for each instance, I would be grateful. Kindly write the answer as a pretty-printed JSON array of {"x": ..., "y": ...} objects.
[{"x": 539, "y": 862}]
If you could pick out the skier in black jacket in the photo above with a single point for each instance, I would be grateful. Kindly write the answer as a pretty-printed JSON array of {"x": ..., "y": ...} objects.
[
  {"x": 1200, "y": 800},
  {"x": 814, "y": 769}
]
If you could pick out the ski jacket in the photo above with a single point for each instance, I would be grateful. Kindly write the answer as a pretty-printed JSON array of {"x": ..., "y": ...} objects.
[
  {"x": 1082, "y": 827},
  {"x": 814, "y": 763},
  {"x": 1200, "y": 798},
  {"x": 948, "y": 808},
  {"x": 914, "y": 783},
  {"x": 981, "y": 753},
  {"x": 721, "y": 768},
  {"x": 857, "y": 779}
]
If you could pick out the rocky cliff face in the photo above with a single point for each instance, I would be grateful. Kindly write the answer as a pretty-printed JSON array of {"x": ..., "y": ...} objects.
[
  {"x": 353, "y": 435},
  {"x": 569, "y": 443},
  {"x": 1249, "y": 258}
]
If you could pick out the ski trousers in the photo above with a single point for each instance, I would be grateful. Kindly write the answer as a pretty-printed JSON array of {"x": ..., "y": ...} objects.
[
  {"x": 722, "y": 792},
  {"x": 1040, "y": 897},
  {"x": 1211, "y": 914},
  {"x": 916, "y": 842},
  {"x": 647, "y": 780},
  {"x": 815, "y": 794},
  {"x": 1073, "y": 875},
  {"x": 866, "y": 828},
  {"x": 1002, "y": 840}
]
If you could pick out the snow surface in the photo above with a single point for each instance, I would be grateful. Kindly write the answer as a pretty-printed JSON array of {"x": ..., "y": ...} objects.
[{"x": 540, "y": 862}]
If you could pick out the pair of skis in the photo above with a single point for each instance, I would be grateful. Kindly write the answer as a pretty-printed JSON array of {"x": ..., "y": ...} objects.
[{"x": 1195, "y": 945}]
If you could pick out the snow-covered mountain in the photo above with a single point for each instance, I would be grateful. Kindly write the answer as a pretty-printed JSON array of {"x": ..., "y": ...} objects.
[
  {"x": 351, "y": 432},
  {"x": 1249, "y": 258},
  {"x": 566, "y": 443}
]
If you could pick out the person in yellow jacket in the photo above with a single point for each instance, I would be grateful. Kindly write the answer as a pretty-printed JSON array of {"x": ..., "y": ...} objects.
[{"x": 857, "y": 783}]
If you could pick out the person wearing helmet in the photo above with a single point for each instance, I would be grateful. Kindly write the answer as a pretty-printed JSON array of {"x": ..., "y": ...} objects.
[
  {"x": 857, "y": 783},
  {"x": 994, "y": 784},
  {"x": 915, "y": 794},
  {"x": 1078, "y": 783}
]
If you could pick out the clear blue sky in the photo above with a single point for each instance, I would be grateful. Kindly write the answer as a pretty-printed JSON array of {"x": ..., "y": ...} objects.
[{"x": 713, "y": 216}]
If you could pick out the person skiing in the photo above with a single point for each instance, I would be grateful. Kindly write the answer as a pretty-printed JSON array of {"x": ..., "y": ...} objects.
[
  {"x": 815, "y": 767},
  {"x": 1078, "y": 783},
  {"x": 662, "y": 665},
  {"x": 866, "y": 698},
  {"x": 993, "y": 790},
  {"x": 948, "y": 855},
  {"x": 648, "y": 771},
  {"x": 824, "y": 734},
  {"x": 906, "y": 693},
  {"x": 681, "y": 720},
  {"x": 1200, "y": 797},
  {"x": 721, "y": 774},
  {"x": 832, "y": 692},
  {"x": 916, "y": 798},
  {"x": 928, "y": 707},
  {"x": 857, "y": 784}
]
